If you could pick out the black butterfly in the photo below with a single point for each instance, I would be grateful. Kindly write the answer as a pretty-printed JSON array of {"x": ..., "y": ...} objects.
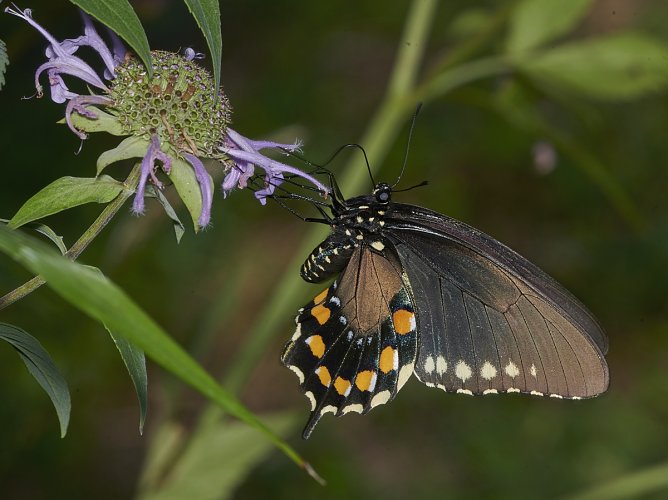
[{"x": 419, "y": 292}]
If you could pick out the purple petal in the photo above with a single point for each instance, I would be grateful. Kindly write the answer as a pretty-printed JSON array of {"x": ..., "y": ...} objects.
[
  {"x": 153, "y": 153},
  {"x": 205, "y": 187},
  {"x": 78, "y": 104}
]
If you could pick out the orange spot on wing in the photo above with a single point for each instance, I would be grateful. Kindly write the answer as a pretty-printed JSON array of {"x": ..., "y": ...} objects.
[
  {"x": 316, "y": 345},
  {"x": 321, "y": 314},
  {"x": 342, "y": 386},
  {"x": 404, "y": 321},
  {"x": 321, "y": 296},
  {"x": 364, "y": 379},
  {"x": 386, "y": 363},
  {"x": 324, "y": 376}
]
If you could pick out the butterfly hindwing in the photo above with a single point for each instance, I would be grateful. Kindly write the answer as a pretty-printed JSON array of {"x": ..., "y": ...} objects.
[{"x": 355, "y": 344}]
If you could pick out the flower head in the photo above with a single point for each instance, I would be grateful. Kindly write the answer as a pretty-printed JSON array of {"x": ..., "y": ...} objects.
[{"x": 174, "y": 118}]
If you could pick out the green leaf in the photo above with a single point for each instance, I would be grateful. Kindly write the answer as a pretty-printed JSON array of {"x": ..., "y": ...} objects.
[
  {"x": 101, "y": 299},
  {"x": 64, "y": 193},
  {"x": 4, "y": 62},
  {"x": 536, "y": 22},
  {"x": 621, "y": 66},
  {"x": 41, "y": 366},
  {"x": 131, "y": 147},
  {"x": 46, "y": 231},
  {"x": 103, "y": 122},
  {"x": 135, "y": 362},
  {"x": 179, "y": 228},
  {"x": 215, "y": 461},
  {"x": 185, "y": 182},
  {"x": 207, "y": 15},
  {"x": 119, "y": 16}
]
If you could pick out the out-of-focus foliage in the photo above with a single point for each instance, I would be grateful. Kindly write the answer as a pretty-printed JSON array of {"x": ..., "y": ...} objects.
[{"x": 590, "y": 209}]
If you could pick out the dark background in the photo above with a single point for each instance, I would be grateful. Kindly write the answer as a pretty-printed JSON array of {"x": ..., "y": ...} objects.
[{"x": 319, "y": 70}]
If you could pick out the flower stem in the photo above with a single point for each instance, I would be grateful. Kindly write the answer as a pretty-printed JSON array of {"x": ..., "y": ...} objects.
[{"x": 84, "y": 240}]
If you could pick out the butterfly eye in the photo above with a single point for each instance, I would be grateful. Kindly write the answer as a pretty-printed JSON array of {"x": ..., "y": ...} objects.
[{"x": 383, "y": 193}]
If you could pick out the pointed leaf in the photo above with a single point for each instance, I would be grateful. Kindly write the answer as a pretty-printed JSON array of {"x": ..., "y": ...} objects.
[
  {"x": 536, "y": 22},
  {"x": 64, "y": 193},
  {"x": 119, "y": 16},
  {"x": 198, "y": 472},
  {"x": 179, "y": 228},
  {"x": 41, "y": 366},
  {"x": 131, "y": 147},
  {"x": 135, "y": 362},
  {"x": 46, "y": 231},
  {"x": 103, "y": 122},
  {"x": 207, "y": 15},
  {"x": 621, "y": 66},
  {"x": 185, "y": 182},
  {"x": 98, "y": 297}
]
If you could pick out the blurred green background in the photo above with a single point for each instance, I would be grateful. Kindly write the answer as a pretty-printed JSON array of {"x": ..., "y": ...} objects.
[{"x": 319, "y": 70}]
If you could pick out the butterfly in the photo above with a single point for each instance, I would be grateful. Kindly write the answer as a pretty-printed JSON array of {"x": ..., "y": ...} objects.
[{"x": 418, "y": 292}]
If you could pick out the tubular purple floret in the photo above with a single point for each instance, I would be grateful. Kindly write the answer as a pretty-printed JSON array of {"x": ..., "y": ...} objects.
[
  {"x": 78, "y": 104},
  {"x": 205, "y": 187},
  {"x": 61, "y": 58},
  {"x": 246, "y": 155},
  {"x": 153, "y": 153}
]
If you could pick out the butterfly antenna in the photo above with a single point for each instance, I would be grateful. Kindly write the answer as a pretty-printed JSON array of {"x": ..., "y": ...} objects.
[{"x": 408, "y": 144}]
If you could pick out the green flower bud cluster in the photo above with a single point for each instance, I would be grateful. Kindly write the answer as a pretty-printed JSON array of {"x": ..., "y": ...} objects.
[{"x": 179, "y": 103}]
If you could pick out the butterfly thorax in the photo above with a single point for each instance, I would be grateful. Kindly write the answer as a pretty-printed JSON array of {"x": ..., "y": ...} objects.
[{"x": 356, "y": 223}]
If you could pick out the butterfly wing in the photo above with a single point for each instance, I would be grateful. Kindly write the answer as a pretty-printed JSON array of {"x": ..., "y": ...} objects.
[
  {"x": 355, "y": 344},
  {"x": 489, "y": 320}
]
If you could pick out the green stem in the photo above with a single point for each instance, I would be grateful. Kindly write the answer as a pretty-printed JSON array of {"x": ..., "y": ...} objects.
[{"x": 84, "y": 240}]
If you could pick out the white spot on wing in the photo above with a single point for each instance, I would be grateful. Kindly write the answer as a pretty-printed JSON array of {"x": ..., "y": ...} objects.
[
  {"x": 299, "y": 373},
  {"x": 490, "y": 391},
  {"x": 311, "y": 398},
  {"x": 298, "y": 332},
  {"x": 372, "y": 384},
  {"x": 429, "y": 365},
  {"x": 378, "y": 245},
  {"x": 464, "y": 391},
  {"x": 335, "y": 300},
  {"x": 512, "y": 389},
  {"x": 558, "y": 396},
  {"x": 533, "y": 370},
  {"x": 404, "y": 374},
  {"x": 488, "y": 372},
  {"x": 512, "y": 370},
  {"x": 350, "y": 332},
  {"x": 536, "y": 393},
  {"x": 380, "y": 399},
  {"x": 343, "y": 321},
  {"x": 352, "y": 408},
  {"x": 441, "y": 365},
  {"x": 328, "y": 409},
  {"x": 463, "y": 371}
]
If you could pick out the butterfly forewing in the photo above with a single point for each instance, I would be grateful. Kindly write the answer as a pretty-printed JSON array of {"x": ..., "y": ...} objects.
[
  {"x": 485, "y": 328},
  {"x": 356, "y": 343}
]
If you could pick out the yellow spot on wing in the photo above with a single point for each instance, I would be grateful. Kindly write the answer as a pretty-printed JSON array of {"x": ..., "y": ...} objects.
[
  {"x": 386, "y": 363},
  {"x": 316, "y": 345},
  {"x": 324, "y": 376},
  {"x": 321, "y": 314},
  {"x": 366, "y": 380},
  {"x": 342, "y": 386},
  {"x": 321, "y": 296},
  {"x": 404, "y": 321}
]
